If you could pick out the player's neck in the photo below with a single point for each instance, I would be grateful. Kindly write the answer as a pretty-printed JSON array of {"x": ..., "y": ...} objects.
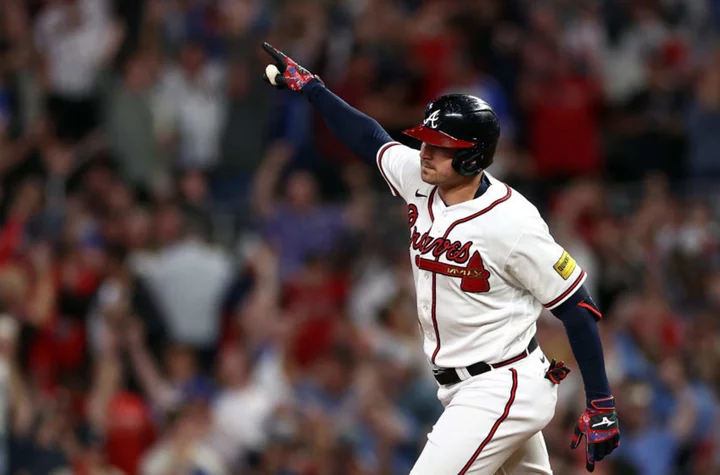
[{"x": 460, "y": 193}]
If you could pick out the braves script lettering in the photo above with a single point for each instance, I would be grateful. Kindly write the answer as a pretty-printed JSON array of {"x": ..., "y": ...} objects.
[{"x": 454, "y": 251}]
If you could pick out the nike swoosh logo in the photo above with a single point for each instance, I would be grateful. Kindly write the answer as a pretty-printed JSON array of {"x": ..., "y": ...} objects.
[
  {"x": 605, "y": 422},
  {"x": 418, "y": 195}
]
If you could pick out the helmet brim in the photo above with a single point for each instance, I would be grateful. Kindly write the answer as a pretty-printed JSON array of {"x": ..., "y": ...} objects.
[{"x": 436, "y": 138}]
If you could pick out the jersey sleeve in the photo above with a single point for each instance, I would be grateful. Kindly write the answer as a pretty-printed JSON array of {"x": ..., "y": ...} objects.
[
  {"x": 542, "y": 266},
  {"x": 399, "y": 166}
]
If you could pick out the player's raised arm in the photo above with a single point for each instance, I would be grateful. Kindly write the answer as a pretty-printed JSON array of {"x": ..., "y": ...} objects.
[{"x": 360, "y": 133}]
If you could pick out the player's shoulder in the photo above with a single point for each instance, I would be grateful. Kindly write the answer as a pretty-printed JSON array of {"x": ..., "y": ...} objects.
[
  {"x": 395, "y": 150},
  {"x": 400, "y": 167},
  {"x": 514, "y": 216},
  {"x": 517, "y": 210}
]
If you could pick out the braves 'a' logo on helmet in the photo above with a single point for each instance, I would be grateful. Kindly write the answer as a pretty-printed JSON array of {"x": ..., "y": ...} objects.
[{"x": 432, "y": 120}]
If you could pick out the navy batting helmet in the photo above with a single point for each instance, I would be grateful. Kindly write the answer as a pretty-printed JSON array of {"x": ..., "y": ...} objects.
[{"x": 464, "y": 122}]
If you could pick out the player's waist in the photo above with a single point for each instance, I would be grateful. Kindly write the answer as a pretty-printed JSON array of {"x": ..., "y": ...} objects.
[{"x": 450, "y": 376}]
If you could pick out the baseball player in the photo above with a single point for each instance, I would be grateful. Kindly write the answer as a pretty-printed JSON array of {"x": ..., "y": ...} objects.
[{"x": 484, "y": 265}]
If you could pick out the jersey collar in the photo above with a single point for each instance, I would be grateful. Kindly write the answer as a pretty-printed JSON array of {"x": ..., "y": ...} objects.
[{"x": 484, "y": 185}]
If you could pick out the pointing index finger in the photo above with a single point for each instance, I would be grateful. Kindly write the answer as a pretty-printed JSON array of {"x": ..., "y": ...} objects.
[{"x": 276, "y": 55}]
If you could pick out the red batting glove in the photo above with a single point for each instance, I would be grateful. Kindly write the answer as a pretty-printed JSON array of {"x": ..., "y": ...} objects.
[
  {"x": 601, "y": 428},
  {"x": 289, "y": 74}
]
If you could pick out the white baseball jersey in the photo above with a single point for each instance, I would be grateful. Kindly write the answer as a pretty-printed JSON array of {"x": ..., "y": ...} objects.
[{"x": 483, "y": 269}]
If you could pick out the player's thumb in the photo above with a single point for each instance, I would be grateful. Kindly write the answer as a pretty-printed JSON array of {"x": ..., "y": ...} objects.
[{"x": 577, "y": 437}]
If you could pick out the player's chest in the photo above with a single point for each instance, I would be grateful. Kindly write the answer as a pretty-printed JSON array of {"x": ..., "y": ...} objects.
[{"x": 450, "y": 249}]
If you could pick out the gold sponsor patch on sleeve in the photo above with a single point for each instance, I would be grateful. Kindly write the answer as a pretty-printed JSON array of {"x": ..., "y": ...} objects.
[{"x": 565, "y": 265}]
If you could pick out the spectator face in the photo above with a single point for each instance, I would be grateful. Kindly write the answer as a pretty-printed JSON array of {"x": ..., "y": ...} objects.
[
  {"x": 98, "y": 180},
  {"x": 8, "y": 336},
  {"x": 120, "y": 198},
  {"x": 138, "y": 73},
  {"x": 167, "y": 225},
  {"x": 397, "y": 321},
  {"x": 193, "y": 423},
  {"x": 699, "y": 215},
  {"x": 14, "y": 20},
  {"x": 708, "y": 88},
  {"x": 544, "y": 20},
  {"x": 564, "y": 66},
  {"x": 461, "y": 70},
  {"x": 301, "y": 190},
  {"x": 279, "y": 457},
  {"x": 361, "y": 69},
  {"x": 239, "y": 80},
  {"x": 634, "y": 403},
  {"x": 137, "y": 229},
  {"x": 28, "y": 199},
  {"x": 112, "y": 230},
  {"x": 609, "y": 236},
  {"x": 392, "y": 372},
  {"x": 538, "y": 60},
  {"x": 713, "y": 290},
  {"x": 233, "y": 367},
  {"x": 672, "y": 374},
  {"x": 334, "y": 373},
  {"x": 14, "y": 288},
  {"x": 642, "y": 14},
  {"x": 192, "y": 58},
  {"x": 180, "y": 363},
  {"x": 659, "y": 75},
  {"x": 194, "y": 186}
]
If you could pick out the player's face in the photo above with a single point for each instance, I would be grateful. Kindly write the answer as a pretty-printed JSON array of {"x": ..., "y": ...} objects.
[{"x": 437, "y": 165}]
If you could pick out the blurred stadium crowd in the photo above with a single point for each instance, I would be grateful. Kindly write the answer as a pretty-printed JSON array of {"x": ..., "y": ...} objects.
[{"x": 196, "y": 278}]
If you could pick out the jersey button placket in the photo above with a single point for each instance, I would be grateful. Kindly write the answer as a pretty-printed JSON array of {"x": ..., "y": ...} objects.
[
  {"x": 425, "y": 314},
  {"x": 438, "y": 227}
]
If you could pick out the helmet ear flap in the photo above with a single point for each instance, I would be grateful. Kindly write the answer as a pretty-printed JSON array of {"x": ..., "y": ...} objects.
[
  {"x": 471, "y": 161},
  {"x": 465, "y": 161}
]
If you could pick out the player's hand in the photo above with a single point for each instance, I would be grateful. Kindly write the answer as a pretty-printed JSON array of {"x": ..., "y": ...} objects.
[
  {"x": 600, "y": 426},
  {"x": 557, "y": 371},
  {"x": 286, "y": 73}
]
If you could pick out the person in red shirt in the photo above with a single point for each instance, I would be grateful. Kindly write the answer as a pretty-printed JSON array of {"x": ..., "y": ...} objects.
[
  {"x": 129, "y": 431},
  {"x": 315, "y": 298},
  {"x": 561, "y": 105}
]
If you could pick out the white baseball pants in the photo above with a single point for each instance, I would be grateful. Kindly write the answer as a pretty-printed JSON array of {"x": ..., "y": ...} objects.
[{"x": 492, "y": 422}]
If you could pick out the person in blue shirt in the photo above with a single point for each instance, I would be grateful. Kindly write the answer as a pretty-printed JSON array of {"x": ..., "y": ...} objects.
[{"x": 651, "y": 444}]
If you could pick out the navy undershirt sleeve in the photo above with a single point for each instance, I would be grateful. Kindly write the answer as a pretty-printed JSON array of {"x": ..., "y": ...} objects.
[
  {"x": 360, "y": 133},
  {"x": 581, "y": 327}
]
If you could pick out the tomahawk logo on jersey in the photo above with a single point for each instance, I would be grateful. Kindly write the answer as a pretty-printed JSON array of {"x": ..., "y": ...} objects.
[{"x": 483, "y": 269}]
